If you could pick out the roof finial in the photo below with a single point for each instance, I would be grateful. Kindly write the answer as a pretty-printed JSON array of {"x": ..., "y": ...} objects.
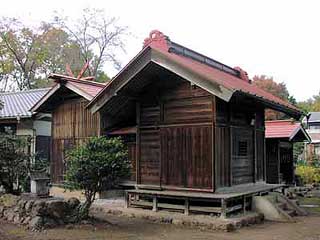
[
  {"x": 243, "y": 74},
  {"x": 156, "y": 39}
]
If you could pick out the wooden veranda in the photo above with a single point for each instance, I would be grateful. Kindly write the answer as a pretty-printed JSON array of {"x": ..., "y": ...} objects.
[{"x": 222, "y": 202}]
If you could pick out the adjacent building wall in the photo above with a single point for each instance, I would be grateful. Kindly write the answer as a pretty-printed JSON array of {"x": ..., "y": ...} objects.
[{"x": 72, "y": 125}]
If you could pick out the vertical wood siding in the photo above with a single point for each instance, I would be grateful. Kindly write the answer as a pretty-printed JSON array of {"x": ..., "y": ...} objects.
[
  {"x": 186, "y": 156},
  {"x": 222, "y": 157},
  {"x": 272, "y": 160},
  {"x": 242, "y": 156},
  {"x": 72, "y": 125},
  {"x": 149, "y": 156},
  {"x": 175, "y": 136}
]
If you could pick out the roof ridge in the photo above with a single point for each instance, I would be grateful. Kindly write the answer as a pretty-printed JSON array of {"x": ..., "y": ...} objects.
[
  {"x": 58, "y": 77},
  {"x": 157, "y": 39},
  {"x": 88, "y": 82}
]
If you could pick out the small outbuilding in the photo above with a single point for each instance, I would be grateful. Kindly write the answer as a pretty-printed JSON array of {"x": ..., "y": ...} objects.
[
  {"x": 280, "y": 137},
  {"x": 72, "y": 122},
  {"x": 16, "y": 119},
  {"x": 197, "y": 124}
]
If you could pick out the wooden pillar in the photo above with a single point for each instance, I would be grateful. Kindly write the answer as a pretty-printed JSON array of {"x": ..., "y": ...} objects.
[
  {"x": 126, "y": 199},
  {"x": 244, "y": 204},
  {"x": 223, "y": 208},
  {"x": 138, "y": 178},
  {"x": 213, "y": 150},
  {"x": 186, "y": 206},
  {"x": 155, "y": 204}
]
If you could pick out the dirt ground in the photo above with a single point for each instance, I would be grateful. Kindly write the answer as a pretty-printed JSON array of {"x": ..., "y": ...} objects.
[
  {"x": 123, "y": 228},
  {"x": 120, "y": 228}
]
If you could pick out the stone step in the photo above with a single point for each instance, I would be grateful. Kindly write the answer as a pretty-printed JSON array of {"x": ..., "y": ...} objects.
[
  {"x": 291, "y": 213},
  {"x": 283, "y": 206}
]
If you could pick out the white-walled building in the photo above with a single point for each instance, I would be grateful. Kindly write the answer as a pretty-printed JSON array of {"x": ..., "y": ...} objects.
[{"x": 17, "y": 119}]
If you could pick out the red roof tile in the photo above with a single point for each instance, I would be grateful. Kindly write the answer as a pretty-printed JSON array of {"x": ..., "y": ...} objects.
[
  {"x": 89, "y": 87},
  {"x": 161, "y": 43},
  {"x": 227, "y": 80},
  {"x": 281, "y": 128}
]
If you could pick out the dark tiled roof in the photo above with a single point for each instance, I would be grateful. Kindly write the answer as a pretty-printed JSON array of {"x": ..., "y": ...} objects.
[
  {"x": 19, "y": 103},
  {"x": 314, "y": 117}
]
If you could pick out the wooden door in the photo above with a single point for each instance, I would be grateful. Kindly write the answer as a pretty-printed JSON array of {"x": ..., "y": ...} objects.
[
  {"x": 242, "y": 156},
  {"x": 186, "y": 157},
  {"x": 286, "y": 163}
]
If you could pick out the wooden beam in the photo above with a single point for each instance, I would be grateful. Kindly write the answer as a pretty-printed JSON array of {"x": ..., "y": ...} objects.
[
  {"x": 126, "y": 199},
  {"x": 213, "y": 132},
  {"x": 138, "y": 149},
  {"x": 154, "y": 204},
  {"x": 223, "y": 208},
  {"x": 186, "y": 206}
]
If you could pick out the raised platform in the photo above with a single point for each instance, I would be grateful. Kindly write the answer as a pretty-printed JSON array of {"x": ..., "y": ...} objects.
[{"x": 222, "y": 202}]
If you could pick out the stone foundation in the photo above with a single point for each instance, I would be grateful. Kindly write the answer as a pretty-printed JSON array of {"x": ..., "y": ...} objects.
[
  {"x": 37, "y": 213},
  {"x": 103, "y": 211}
]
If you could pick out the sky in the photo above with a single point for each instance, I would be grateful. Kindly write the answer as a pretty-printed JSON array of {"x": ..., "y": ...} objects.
[{"x": 275, "y": 38}]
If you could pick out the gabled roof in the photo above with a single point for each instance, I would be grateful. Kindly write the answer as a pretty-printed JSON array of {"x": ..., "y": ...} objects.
[
  {"x": 209, "y": 74},
  {"x": 17, "y": 104},
  {"x": 84, "y": 88},
  {"x": 286, "y": 129},
  {"x": 314, "y": 117}
]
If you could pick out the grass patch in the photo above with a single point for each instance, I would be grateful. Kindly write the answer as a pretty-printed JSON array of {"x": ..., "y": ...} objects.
[{"x": 311, "y": 201}]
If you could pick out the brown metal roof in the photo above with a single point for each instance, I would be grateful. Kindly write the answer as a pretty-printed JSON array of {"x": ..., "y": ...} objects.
[{"x": 214, "y": 75}]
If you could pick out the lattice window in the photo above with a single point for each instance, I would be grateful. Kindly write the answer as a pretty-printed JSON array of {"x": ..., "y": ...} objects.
[{"x": 243, "y": 148}]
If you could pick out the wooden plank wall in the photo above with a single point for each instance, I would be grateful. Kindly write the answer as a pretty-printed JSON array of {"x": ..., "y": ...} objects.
[
  {"x": 242, "y": 165},
  {"x": 187, "y": 157},
  {"x": 260, "y": 155},
  {"x": 272, "y": 161},
  {"x": 176, "y": 136},
  {"x": 232, "y": 119},
  {"x": 222, "y": 156},
  {"x": 149, "y": 156},
  {"x": 286, "y": 162},
  {"x": 132, "y": 157},
  {"x": 72, "y": 125}
]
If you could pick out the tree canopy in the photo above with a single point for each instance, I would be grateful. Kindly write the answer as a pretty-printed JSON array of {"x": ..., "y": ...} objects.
[
  {"x": 28, "y": 54},
  {"x": 311, "y": 105},
  {"x": 277, "y": 89}
]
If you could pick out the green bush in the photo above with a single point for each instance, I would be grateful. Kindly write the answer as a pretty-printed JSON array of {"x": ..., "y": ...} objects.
[
  {"x": 308, "y": 174},
  {"x": 95, "y": 166}
]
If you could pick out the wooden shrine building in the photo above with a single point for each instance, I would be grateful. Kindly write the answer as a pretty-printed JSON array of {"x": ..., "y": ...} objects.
[
  {"x": 280, "y": 136},
  {"x": 72, "y": 123},
  {"x": 199, "y": 124}
]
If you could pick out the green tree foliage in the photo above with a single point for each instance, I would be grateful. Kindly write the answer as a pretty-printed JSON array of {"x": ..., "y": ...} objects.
[
  {"x": 277, "y": 89},
  {"x": 298, "y": 149},
  {"x": 95, "y": 166},
  {"x": 311, "y": 105},
  {"x": 308, "y": 174},
  {"x": 29, "y": 54},
  {"x": 14, "y": 162}
]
